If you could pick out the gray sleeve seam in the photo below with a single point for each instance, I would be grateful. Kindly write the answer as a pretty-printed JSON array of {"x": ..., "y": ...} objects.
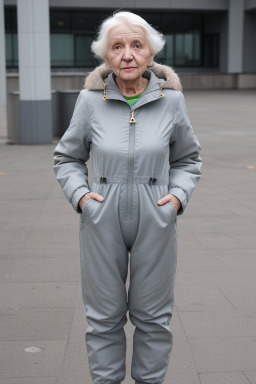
[
  {"x": 176, "y": 186},
  {"x": 89, "y": 112},
  {"x": 172, "y": 138},
  {"x": 81, "y": 186},
  {"x": 176, "y": 107}
]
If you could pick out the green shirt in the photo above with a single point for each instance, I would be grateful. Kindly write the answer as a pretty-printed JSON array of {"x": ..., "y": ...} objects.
[{"x": 132, "y": 99}]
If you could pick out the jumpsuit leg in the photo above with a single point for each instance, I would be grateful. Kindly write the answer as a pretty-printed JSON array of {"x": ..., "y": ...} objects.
[
  {"x": 153, "y": 264},
  {"x": 104, "y": 266}
]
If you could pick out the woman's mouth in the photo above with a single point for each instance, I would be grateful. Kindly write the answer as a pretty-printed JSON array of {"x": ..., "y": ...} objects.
[{"x": 128, "y": 69}]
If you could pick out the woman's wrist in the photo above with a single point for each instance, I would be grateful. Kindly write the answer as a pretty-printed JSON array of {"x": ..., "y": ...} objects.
[
  {"x": 82, "y": 200},
  {"x": 175, "y": 202}
]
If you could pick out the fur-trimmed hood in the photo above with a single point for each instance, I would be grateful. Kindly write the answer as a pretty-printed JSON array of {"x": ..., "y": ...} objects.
[{"x": 95, "y": 79}]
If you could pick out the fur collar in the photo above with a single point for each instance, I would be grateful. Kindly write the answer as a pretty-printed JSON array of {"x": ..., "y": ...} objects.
[{"x": 95, "y": 79}]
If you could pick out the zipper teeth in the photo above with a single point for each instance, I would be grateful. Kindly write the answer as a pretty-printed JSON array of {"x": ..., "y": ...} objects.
[{"x": 130, "y": 167}]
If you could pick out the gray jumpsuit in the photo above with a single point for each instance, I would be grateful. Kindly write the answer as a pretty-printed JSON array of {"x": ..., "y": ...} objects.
[{"x": 139, "y": 154}]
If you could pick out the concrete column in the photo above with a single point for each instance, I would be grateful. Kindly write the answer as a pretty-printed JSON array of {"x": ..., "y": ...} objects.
[
  {"x": 34, "y": 72},
  {"x": 2, "y": 59},
  {"x": 235, "y": 36}
]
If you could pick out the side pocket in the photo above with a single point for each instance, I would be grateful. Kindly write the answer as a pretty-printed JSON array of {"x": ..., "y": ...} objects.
[
  {"x": 84, "y": 212},
  {"x": 172, "y": 208},
  {"x": 86, "y": 206}
]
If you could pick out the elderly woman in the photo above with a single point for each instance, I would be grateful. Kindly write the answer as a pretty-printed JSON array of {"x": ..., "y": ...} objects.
[{"x": 146, "y": 162}]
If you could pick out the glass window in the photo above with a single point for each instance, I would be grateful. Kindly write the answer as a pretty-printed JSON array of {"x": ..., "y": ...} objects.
[
  {"x": 60, "y": 21},
  {"x": 86, "y": 21},
  {"x": 211, "y": 50},
  {"x": 10, "y": 19},
  {"x": 15, "y": 49},
  {"x": 179, "y": 49},
  {"x": 188, "y": 48},
  {"x": 153, "y": 18},
  {"x": 11, "y": 49},
  {"x": 62, "y": 50},
  {"x": 197, "y": 46},
  {"x": 11, "y": 41},
  {"x": 84, "y": 57},
  {"x": 183, "y": 34},
  {"x": 72, "y": 32},
  {"x": 166, "y": 56},
  {"x": 169, "y": 48}
]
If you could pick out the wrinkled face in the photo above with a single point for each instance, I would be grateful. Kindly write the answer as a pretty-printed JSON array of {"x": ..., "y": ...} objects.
[{"x": 128, "y": 52}]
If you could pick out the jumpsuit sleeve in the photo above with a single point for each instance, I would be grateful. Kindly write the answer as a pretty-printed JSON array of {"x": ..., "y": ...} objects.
[
  {"x": 184, "y": 158},
  {"x": 72, "y": 152}
]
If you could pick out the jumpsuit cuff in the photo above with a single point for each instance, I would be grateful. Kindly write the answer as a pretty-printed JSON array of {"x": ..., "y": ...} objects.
[
  {"x": 181, "y": 195},
  {"x": 79, "y": 193},
  {"x": 142, "y": 382}
]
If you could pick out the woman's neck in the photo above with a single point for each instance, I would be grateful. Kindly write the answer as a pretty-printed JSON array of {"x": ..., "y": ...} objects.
[{"x": 133, "y": 87}]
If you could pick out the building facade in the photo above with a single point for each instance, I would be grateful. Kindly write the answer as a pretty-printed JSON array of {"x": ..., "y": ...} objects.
[{"x": 201, "y": 35}]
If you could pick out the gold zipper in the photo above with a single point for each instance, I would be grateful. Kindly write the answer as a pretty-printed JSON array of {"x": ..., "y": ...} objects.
[
  {"x": 105, "y": 96},
  {"x": 161, "y": 93},
  {"x": 132, "y": 120}
]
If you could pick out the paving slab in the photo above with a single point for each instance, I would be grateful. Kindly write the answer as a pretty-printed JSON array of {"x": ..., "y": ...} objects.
[
  {"x": 224, "y": 354},
  {"x": 182, "y": 367},
  {"x": 242, "y": 296},
  {"x": 201, "y": 261},
  {"x": 251, "y": 376},
  {"x": 224, "y": 378},
  {"x": 29, "y": 380},
  {"x": 38, "y": 295},
  {"x": 48, "y": 269},
  {"x": 200, "y": 298},
  {"x": 4, "y": 266},
  {"x": 35, "y": 323},
  {"x": 16, "y": 362},
  {"x": 237, "y": 260},
  {"x": 218, "y": 324},
  {"x": 217, "y": 279}
]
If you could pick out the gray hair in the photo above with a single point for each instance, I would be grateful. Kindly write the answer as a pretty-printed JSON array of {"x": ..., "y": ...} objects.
[{"x": 99, "y": 46}]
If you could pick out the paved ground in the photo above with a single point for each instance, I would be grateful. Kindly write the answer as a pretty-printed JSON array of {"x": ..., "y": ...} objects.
[{"x": 214, "y": 322}]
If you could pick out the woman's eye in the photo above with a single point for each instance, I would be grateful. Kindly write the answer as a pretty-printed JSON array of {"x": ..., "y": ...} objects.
[
  {"x": 137, "y": 46},
  {"x": 117, "y": 47}
]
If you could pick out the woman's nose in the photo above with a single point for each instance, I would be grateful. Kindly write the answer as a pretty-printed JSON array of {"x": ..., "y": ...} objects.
[{"x": 127, "y": 56}]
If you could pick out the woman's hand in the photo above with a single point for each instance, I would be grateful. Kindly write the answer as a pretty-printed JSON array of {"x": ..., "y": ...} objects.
[
  {"x": 173, "y": 200},
  {"x": 90, "y": 195}
]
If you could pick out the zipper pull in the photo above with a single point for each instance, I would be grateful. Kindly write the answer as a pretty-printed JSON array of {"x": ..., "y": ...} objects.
[
  {"x": 105, "y": 96},
  {"x": 132, "y": 121},
  {"x": 161, "y": 91},
  {"x": 82, "y": 224}
]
